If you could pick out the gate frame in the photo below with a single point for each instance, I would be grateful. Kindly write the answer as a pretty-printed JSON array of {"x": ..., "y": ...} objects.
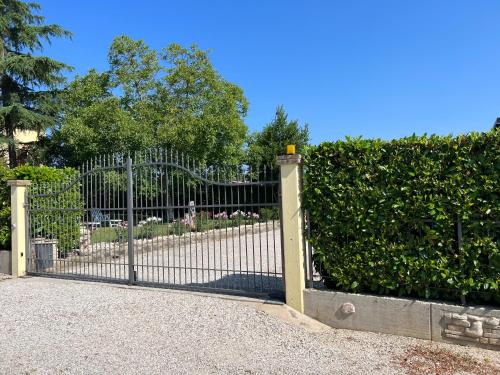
[{"x": 293, "y": 265}]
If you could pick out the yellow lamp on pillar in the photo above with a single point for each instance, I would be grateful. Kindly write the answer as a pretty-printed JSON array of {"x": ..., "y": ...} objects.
[{"x": 290, "y": 150}]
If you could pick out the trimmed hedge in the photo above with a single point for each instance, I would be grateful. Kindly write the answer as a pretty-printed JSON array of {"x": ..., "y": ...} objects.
[
  {"x": 48, "y": 224},
  {"x": 384, "y": 215}
]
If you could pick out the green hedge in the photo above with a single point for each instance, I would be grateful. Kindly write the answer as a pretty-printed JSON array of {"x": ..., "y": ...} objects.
[
  {"x": 384, "y": 215},
  {"x": 45, "y": 223}
]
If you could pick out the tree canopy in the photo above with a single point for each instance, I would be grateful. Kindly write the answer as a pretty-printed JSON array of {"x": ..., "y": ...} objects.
[
  {"x": 264, "y": 146},
  {"x": 29, "y": 98},
  {"x": 172, "y": 98}
]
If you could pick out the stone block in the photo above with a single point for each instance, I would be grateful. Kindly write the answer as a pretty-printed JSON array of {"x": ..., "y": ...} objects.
[
  {"x": 475, "y": 330},
  {"x": 491, "y": 321},
  {"x": 462, "y": 323},
  {"x": 455, "y": 328},
  {"x": 6, "y": 261},
  {"x": 441, "y": 311},
  {"x": 459, "y": 337},
  {"x": 492, "y": 335}
]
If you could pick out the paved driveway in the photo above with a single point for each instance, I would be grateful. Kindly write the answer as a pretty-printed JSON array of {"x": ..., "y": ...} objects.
[{"x": 50, "y": 326}]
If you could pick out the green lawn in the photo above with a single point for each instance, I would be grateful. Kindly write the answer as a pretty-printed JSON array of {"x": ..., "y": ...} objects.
[{"x": 114, "y": 234}]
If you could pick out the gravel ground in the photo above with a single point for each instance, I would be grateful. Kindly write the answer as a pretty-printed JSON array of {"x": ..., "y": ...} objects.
[{"x": 50, "y": 326}]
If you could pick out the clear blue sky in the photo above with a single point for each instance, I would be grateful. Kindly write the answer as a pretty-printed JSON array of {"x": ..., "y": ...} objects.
[{"x": 372, "y": 68}]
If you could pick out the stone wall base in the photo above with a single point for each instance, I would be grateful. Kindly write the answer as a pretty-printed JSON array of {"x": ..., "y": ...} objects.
[
  {"x": 6, "y": 262},
  {"x": 464, "y": 325}
]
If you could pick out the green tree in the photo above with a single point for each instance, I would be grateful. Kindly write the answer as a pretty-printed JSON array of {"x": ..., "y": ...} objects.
[
  {"x": 264, "y": 146},
  {"x": 29, "y": 84},
  {"x": 173, "y": 99},
  {"x": 203, "y": 113},
  {"x": 95, "y": 122}
]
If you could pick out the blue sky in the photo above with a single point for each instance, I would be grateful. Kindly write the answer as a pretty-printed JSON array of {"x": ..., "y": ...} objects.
[{"x": 372, "y": 68}]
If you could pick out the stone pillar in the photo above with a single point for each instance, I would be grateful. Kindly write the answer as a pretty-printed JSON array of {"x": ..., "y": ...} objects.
[
  {"x": 18, "y": 225},
  {"x": 292, "y": 220}
]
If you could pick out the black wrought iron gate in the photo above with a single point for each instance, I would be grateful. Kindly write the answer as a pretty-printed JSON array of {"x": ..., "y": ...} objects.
[{"x": 158, "y": 218}]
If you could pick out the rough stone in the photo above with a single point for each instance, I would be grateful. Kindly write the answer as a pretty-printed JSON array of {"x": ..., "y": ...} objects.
[
  {"x": 495, "y": 341},
  {"x": 492, "y": 335},
  {"x": 459, "y": 316},
  {"x": 475, "y": 330},
  {"x": 492, "y": 321},
  {"x": 462, "y": 323},
  {"x": 348, "y": 308},
  {"x": 459, "y": 329},
  {"x": 475, "y": 318},
  {"x": 459, "y": 337}
]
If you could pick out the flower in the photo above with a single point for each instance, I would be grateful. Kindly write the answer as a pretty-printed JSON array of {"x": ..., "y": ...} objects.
[
  {"x": 240, "y": 214},
  {"x": 221, "y": 215},
  {"x": 237, "y": 214}
]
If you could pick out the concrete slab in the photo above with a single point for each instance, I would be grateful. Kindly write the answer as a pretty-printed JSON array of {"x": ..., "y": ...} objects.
[{"x": 403, "y": 317}]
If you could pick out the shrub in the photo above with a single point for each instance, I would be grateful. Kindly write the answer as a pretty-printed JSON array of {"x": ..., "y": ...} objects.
[
  {"x": 146, "y": 231},
  {"x": 384, "y": 215},
  {"x": 54, "y": 224},
  {"x": 272, "y": 213},
  {"x": 204, "y": 216}
]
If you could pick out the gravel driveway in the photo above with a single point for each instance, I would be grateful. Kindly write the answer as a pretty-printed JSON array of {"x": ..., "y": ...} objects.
[
  {"x": 242, "y": 258},
  {"x": 51, "y": 326}
]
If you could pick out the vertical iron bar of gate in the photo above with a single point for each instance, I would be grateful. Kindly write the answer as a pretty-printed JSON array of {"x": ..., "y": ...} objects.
[
  {"x": 130, "y": 221},
  {"x": 308, "y": 250}
]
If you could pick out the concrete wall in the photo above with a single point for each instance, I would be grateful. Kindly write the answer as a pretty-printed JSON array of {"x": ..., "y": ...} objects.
[
  {"x": 6, "y": 261},
  {"x": 405, "y": 317}
]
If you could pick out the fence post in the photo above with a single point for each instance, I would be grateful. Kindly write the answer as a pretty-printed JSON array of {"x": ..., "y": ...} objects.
[
  {"x": 130, "y": 222},
  {"x": 18, "y": 225},
  {"x": 292, "y": 222}
]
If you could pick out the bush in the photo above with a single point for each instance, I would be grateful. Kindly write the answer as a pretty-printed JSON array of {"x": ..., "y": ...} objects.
[
  {"x": 54, "y": 224},
  {"x": 146, "y": 231},
  {"x": 272, "y": 213},
  {"x": 384, "y": 215}
]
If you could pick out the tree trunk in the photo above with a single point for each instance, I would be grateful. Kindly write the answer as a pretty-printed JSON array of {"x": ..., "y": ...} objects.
[{"x": 9, "y": 132}]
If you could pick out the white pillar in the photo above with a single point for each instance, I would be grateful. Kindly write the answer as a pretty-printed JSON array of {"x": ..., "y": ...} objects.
[
  {"x": 18, "y": 225},
  {"x": 292, "y": 230}
]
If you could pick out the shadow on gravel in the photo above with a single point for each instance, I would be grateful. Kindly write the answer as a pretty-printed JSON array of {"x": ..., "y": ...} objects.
[{"x": 246, "y": 282}]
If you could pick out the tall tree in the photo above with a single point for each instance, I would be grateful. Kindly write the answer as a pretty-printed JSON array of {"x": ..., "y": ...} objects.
[
  {"x": 28, "y": 83},
  {"x": 174, "y": 99},
  {"x": 203, "y": 113},
  {"x": 264, "y": 146}
]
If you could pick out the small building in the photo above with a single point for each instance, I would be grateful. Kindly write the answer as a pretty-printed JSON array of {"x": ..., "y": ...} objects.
[{"x": 23, "y": 138}]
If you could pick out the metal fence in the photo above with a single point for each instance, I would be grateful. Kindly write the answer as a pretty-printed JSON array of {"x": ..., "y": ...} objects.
[{"x": 159, "y": 218}]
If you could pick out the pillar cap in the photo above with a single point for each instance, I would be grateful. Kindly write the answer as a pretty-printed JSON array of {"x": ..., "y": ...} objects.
[
  {"x": 19, "y": 182},
  {"x": 289, "y": 159}
]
